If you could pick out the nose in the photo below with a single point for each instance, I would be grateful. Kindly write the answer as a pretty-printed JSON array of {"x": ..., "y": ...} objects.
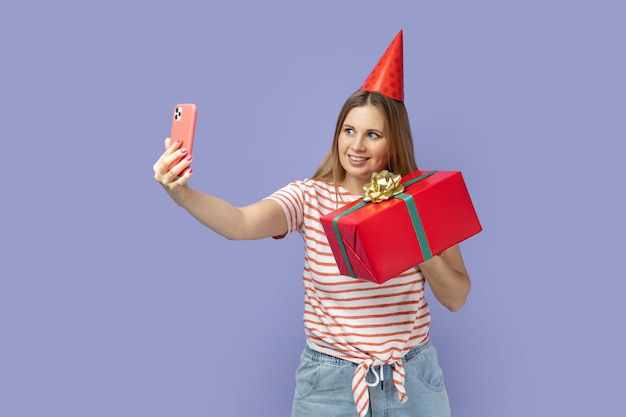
[{"x": 358, "y": 144}]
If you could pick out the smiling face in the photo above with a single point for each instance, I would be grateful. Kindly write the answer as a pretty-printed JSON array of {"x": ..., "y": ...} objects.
[
  {"x": 362, "y": 146},
  {"x": 389, "y": 143}
]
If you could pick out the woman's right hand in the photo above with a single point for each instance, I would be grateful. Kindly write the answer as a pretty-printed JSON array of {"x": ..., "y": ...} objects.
[{"x": 175, "y": 180}]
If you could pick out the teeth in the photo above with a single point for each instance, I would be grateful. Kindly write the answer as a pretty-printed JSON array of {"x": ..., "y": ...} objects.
[{"x": 356, "y": 158}]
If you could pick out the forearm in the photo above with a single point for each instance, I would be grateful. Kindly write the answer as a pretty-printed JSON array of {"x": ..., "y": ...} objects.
[
  {"x": 214, "y": 213},
  {"x": 259, "y": 220},
  {"x": 448, "y": 279}
]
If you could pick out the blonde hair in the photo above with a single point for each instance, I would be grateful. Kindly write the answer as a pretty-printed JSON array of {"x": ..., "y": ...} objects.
[{"x": 397, "y": 130}]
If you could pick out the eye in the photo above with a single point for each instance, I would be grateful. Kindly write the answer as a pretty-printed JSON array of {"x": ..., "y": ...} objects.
[
  {"x": 349, "y": 130},
  {"x": 373, "y": 135}
]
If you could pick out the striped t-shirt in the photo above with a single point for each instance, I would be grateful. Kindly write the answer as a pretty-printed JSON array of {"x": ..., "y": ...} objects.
[{"x": 356, "y": 320}]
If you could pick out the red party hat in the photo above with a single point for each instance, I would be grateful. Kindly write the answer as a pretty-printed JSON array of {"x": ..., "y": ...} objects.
[{"x": 387, "y": 77}]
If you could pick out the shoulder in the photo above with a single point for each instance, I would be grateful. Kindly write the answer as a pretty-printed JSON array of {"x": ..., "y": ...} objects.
[
  {"x": 310, "y": 187},
  {"x": 315, "y": 194}
]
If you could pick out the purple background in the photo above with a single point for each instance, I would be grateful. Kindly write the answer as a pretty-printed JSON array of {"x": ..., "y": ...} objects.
[{"x": 113, "y": 301}]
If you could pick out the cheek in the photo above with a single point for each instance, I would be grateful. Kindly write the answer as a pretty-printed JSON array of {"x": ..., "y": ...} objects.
[
  {"x": 342, "y": 145},
  {"x": 383, "y": 153},
  {"x": 382, "y": 164}
]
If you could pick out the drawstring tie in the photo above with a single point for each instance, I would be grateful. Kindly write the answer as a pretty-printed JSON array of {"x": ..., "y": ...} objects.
[
  {"x": 360, "y": 384},
  {"x": 380, "y": 379}
]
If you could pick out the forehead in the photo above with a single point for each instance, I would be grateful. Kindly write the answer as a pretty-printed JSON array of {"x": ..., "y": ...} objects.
[{"x": 365, "y": 117}]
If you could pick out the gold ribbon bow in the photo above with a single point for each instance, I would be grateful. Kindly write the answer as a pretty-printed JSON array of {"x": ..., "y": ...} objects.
[{"x": 383, "y": 186}]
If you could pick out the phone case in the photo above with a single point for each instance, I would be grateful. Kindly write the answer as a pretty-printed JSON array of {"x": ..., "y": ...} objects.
[{"x": 184, "y": 127}]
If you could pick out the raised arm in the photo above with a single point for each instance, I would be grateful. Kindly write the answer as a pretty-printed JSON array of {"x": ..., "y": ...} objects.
[{"x": 259, "y": 220}]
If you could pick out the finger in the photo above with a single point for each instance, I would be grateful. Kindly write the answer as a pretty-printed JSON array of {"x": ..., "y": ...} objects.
[
  {"x": 171, "y": 145},
  {"x": 184, "y": 177},
  {"x": 179, "y": 168},
  {"x": 162, "y": 173},
  {"x": 161, "y": 165},
  {"x": 179, "y": 181},
  {"x": 167, "y": 158}
]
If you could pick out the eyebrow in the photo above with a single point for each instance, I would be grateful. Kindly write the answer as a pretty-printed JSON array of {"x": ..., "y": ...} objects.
[{"x": 345, "y": 125}]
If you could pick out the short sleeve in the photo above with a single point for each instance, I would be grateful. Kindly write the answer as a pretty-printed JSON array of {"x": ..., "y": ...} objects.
[{"x": 291, "y": 199}]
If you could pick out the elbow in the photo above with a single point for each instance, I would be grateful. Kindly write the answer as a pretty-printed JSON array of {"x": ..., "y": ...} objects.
[
  {"x": 458, "y": 302},
  {"x": 240, "y": 233},
  {"x": 456, "y": 306},
  {"x": 233, "y": 236},
  {"x": 236, "y": 232}
]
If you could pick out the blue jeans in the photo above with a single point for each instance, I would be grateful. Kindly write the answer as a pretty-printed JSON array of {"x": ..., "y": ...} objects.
[{"x": 324, "y": 387}]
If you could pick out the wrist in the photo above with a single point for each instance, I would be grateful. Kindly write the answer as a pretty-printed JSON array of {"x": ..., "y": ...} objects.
[{"x": 179, "y": 195}]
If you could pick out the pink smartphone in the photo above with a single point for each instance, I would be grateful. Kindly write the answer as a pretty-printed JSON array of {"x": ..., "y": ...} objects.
[{"x": 184, "y": 127}]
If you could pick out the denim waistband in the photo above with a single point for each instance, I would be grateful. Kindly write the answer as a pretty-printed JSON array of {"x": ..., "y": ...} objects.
[{"x": 320, "y": 357}]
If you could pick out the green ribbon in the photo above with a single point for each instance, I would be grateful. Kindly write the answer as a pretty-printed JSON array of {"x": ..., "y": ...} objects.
[{"x": 409, "y": 201}]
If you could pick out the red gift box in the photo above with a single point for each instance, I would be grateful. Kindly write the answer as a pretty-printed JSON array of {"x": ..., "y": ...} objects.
[{"x": 379, "y": 241}]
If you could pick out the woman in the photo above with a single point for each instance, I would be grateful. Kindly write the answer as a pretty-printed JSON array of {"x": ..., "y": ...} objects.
[{"x": 368, "y": 350}]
